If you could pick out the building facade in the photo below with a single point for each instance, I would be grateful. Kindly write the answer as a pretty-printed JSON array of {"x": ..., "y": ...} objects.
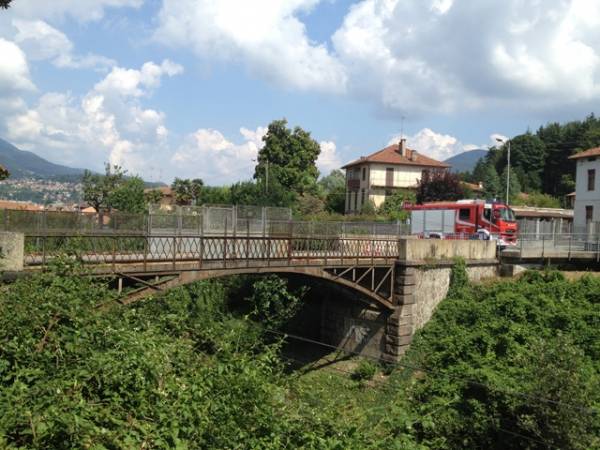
[
  {"x": 587, "y": 188},
  {"x": 374, "y": 177}
]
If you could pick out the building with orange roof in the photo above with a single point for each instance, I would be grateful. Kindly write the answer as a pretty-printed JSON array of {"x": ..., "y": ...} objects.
[
  {"x": 374, "y": 177},
  {"x": 587, "y": 191}
]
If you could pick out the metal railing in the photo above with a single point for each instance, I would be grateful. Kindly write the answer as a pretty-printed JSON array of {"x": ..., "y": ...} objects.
[
  {"x": 556, "y": 245},
  {"x": 219, "y": 251}
]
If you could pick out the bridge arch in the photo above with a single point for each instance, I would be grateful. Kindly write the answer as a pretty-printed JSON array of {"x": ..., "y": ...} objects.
[{"x": 186, "y": 277}]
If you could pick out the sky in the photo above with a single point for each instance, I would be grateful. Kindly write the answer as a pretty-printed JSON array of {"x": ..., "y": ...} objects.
[{"x": 187, "y": 88}]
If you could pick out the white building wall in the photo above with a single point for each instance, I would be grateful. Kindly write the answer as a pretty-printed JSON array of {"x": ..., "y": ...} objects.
[
  {"x": 584, "y": 197},
  {"x": 404, "y": 176}
]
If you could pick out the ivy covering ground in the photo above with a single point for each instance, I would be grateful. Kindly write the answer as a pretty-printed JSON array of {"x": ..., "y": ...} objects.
[{"x": 512, "y": 365}]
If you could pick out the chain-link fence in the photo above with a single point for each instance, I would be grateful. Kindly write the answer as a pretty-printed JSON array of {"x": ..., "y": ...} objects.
[{"x": 205, "y": 220}]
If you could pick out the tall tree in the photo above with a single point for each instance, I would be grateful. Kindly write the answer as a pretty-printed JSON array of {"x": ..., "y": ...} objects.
[
  {"x": 438, "y": 186},
  {"x": 98, "y": 188},
  {"x": 334, "y": 191},
  {"x": 288, "y": 157},
  {"x": 528, "y": 153},
  {"x": 514, "y": 186},
  {"x": 187, "y": 191},
  {"x": 128, "y": 196},
  {"x": 4, "y": 4}
]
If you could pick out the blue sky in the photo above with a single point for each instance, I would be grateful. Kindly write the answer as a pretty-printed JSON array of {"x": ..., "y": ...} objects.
[{"x": 186, "y": 87}]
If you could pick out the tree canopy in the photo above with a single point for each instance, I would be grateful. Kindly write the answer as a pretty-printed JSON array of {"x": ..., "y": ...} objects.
[
  {"x": 288, "y": 157},
  {"x": 439, "y": 185},
  {"x": 187, "y": 191}
]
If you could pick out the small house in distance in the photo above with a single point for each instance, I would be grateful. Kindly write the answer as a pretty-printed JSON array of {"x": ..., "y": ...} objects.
[
  {"x": 380, "y": 174},
  {"x": 587, "y": 196}
]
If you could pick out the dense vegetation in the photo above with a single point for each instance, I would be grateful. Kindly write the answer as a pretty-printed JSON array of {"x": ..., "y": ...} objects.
[
  {"x": 512, "y": 365},
  {"x": 539, "y": 161}
]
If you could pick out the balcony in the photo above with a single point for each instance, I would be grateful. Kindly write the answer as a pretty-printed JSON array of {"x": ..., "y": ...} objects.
[{"x": 353, "y": 184}]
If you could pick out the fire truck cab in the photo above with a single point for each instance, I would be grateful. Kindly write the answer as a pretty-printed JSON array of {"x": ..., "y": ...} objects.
[{"x": 489, "y": 218}]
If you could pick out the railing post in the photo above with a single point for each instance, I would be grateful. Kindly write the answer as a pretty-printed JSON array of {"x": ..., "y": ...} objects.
[
  {"x": 225, "y": 244},
  {"x": 543, "y": 245},
  {"x": 114, "y": 252},
  {"x": 174, "y": 251},
  {"x": 201, "y": 240},
  {"x": 146, "y": 253},
  {"x": 247, "y": 243},
  {"x": 289, "y": 250},
  {"x": 44, "y": 251}
]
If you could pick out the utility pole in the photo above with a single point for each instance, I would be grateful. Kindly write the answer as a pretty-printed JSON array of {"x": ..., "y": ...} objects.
[{"x": 507, "y": 141}]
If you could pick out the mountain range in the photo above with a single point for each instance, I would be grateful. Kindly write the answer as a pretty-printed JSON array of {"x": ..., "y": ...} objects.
[
  {"x": 24, "y": 164},
  {"x": 466, "y": 161}
]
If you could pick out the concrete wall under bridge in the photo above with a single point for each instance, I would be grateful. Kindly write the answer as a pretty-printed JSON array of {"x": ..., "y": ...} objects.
[{"x": 367, "y": 329}]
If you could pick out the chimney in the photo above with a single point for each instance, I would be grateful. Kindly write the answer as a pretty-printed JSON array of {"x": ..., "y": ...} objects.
[
  {"x": 402, "y": 147},
  {"x": 413, "y": 155}
]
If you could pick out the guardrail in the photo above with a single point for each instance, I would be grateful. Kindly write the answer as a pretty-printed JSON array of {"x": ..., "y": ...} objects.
[
  {"x": 556, "y": 245},
  {"x": 147, "y": 249}
]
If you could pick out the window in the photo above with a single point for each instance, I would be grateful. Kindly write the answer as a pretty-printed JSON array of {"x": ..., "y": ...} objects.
[
  {"x": 364, "y": 173},
  {"x": 389, "y": 177},
  {"x": 487, "y": 214},
  {"x": 591, "y": 179},
  {"x": 592, "y": 158},
  {"x": 589, "y": 213},
  {"x": 464, "y": 214}
]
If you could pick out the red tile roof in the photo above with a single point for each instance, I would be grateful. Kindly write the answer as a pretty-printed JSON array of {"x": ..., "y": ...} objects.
[
  {"x": 391, "y": 155},
  {"x": 586, "y": 153}
]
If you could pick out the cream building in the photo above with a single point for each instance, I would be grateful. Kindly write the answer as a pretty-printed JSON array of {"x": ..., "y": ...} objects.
[
  {"x": 587, "y": 188},
  {"x": 378, "y": 175}
]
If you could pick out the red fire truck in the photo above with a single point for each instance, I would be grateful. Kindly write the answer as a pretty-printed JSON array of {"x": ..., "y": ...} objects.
[{"x": 491, "y": 218}]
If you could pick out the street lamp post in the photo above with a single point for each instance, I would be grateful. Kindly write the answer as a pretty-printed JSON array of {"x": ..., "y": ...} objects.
[{"x": 507, "y": 141}]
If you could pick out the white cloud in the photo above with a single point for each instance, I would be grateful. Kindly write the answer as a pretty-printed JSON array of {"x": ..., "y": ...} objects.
[
  {"x": 435, "y": 145},
  {"x": 14, "y": 78},
  {"x": 82, "y": 10},
  {"x": 107, "y": 124},
  {"x": 14, "y": 70},
  {"x": 207, "y": 154},
  {"x": 136, "y": 83},
  {"x": 266, "y": 35},
  {"x": 417, "y": 56},
  {"x": 328, "y": 158},
  {"x": 43, "y": 42}
]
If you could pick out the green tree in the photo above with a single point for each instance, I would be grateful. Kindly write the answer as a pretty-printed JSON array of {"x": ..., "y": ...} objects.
[
  {"x": 128, "y": 196},
  {"x": 393, "y": 206},
  {"x": 187, "y": 191},
  {"x": 288, "y": 157},
  {"x": 309, "y": 205},
  {"x": 153, "y": 196},
  {"x": 490, "y": 180},
  {"x": 514, "y": 188},
  {"x": 333, "y": 187},
  {"x": 98, "y": 189},
  {"x": 438, "y": 186},
  {"x": 4, "y": 173},
  {"x": 528, "y": 157}
]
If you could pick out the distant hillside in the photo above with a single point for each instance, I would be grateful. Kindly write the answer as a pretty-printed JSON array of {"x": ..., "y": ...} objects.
[
  {"x": 465, "y": 161},
  {"x": 23, "y": 164}
]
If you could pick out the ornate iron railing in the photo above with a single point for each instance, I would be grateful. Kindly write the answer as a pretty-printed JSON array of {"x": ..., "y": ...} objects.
[{"x": 143, "y": 249}]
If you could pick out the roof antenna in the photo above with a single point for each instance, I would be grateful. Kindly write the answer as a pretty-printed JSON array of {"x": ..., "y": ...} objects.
[{"x": 402, "y": 127}]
